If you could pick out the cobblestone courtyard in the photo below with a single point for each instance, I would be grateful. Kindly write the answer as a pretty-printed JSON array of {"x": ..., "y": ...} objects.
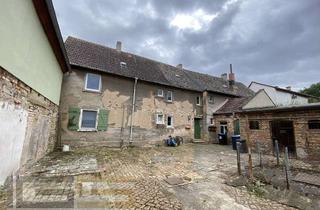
[{"x": 187, "y": 177}]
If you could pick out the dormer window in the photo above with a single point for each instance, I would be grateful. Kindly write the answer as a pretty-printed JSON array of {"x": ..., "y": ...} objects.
[{"x": 123, "y": 64}]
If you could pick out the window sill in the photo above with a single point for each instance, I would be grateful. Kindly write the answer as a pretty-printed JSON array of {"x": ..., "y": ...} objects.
[
  {"x": 169, "y": 101},
  {"x": 91, "y": 91},
  {"x": 87, "y": 130},
  {"x": 170, "y": 127}
]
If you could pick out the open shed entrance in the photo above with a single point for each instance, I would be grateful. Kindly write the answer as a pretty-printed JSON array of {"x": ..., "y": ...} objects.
[{"x": 282, "y": 130}]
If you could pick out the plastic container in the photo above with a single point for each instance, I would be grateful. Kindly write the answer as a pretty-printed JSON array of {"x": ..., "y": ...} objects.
[
  {"x": 223, "y": 138},
  {"x": 235, "y": 139}
]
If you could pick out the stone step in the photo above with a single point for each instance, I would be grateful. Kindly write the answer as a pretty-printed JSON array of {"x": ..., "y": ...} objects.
[{"x": 198, "y": 141}]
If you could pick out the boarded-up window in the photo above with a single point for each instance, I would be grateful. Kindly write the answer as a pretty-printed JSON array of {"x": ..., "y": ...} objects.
[
  {"x": 103, "y": 120},
  {"x": 73, "y": 118},
  {"x": 314, "y": 124},
  {"x": 254, "y": 125}
]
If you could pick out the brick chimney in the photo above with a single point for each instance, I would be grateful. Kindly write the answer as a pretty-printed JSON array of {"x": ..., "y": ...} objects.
[
  {"x": 118, "y": 46},
  {"x": 231, "y": 76},
  {"x": 179, "y": 66}
]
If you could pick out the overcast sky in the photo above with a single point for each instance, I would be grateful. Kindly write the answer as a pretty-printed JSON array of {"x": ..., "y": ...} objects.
[{"x": 271, "y": 41}]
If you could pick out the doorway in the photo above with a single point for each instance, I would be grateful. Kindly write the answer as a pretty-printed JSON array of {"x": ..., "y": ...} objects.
[
  {"x": 197, "y": 128},
  {"x": 282, "y": 130}
]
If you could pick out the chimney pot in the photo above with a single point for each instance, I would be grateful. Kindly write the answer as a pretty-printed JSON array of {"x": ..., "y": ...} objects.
[
  {"x": 179, "y": 66},
  {"x": 118, "y": 45},
  {"x": 288, "y": 87}
]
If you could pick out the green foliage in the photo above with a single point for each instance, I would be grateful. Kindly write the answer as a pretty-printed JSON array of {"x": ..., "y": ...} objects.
[{"x": 313, "y": 90}]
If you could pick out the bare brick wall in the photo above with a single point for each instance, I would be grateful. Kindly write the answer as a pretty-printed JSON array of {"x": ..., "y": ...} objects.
[
  {"x": 39, "y": 133},
  {"x": 307, "y": 141},
  {"x": 229, "y": 118}
]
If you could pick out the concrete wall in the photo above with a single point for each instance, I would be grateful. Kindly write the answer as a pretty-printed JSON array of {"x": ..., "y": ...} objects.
[
  {"x": 280, "y": 98},
  {"x": 307, "y": 141},
  {"x": 25, "y": 51},
  {"x": 116, "y": 96},
  {"x": 28, "y": 124}
]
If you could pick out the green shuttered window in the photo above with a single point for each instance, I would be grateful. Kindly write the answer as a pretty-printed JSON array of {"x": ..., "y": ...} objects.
[
  {"x": 74, "y": 115},
  {"x": 103, "y": 120}
]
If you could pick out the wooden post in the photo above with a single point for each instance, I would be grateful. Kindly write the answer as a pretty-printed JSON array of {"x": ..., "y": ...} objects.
[
  {"x": 277, "y": 151},
  {"x": 286, "y": 167},
  {"x": 238, "y": 158},
  {"x": 259, "y": 154},
  {"x": 250, "y": 164}
]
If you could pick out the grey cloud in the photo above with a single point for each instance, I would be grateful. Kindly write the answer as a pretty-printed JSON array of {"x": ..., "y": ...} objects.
[{"x": 275, "y": 42}]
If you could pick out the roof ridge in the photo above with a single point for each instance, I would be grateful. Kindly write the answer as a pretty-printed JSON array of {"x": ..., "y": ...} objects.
[{"x": 150, "y": 59}]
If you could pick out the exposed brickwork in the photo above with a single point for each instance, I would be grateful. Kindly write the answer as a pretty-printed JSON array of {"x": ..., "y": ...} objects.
[
  {"x": 307, "y": 141},
  {"x": 230, "y": 124},
  {"x": 41, "y": 132}
]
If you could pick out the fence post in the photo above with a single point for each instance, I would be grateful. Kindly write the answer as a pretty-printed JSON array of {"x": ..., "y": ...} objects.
[
  {"x": 277, "y": 151},
  {"x": 238, "y": 158},
  {"x": 250, "y": 164},
  {"x": 259, "y": 154},
  {"x": 287, "y": 167}
]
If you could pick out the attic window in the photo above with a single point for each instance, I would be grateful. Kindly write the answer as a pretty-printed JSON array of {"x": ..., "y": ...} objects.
[
  {"x": 177, "y": 75},
  {"x": 123, "y": 64}
]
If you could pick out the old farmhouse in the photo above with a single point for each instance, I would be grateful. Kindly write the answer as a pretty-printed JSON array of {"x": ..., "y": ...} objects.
[{"x": 112, "y": 97}]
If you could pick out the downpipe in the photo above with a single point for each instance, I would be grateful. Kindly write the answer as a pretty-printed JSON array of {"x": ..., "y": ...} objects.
[{"x": 133, "y": 108}]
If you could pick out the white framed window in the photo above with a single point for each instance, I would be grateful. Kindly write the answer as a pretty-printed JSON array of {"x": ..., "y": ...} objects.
[
  {"x": 123, "y": 64},
  {"x": 160, "y": 93},
  {"x": 88, "y": 120},
  {"x": 93, "y": 82},
  {"x": 169, "y": 121},
  {"x": 159, "y": 119},
  {"x": 169, "y": 96},
  {"x": 198, "y": 100},
  {"x": 211, "y": 99}
]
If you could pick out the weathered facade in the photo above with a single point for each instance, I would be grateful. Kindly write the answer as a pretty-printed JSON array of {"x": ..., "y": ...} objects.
[
  {"x": 99, "y": 94},
  {"x": 28, "y": 123},
  {"x": 297, "y": 128},
  {"x": 116, "y": 97},
  {"x": 32, "y": 63}
]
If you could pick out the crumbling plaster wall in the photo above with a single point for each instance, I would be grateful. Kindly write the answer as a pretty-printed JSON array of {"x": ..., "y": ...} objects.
[
  {"x": 116, "y": 96},
  {"x": 28, "y": 124}
]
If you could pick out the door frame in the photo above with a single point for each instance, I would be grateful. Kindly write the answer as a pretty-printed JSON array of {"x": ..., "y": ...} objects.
[{"x": 293, "y": 150}]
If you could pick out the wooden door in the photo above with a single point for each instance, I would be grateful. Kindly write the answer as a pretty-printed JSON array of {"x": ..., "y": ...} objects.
[{"x": 197, "y": 128}]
